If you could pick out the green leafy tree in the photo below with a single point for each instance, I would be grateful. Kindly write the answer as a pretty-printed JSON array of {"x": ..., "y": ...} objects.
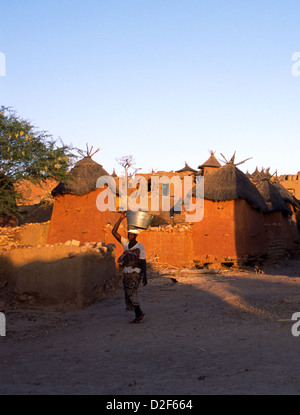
[{"x": 27, "y": 154}]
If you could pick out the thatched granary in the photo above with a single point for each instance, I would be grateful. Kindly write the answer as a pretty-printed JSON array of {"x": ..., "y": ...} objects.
[
  {"x": 291, "y": 201},
  {"x": 272, "y": 198},
  {"x": 233, "y": 222},
  {"x": 288, "y": 188},
  {"x": 187, "y": 170},
  {"x": 75, "y": 214},
  {"x": 209, "y": 165},
  {"x": 257, "y": 175},
  {"x": 82, "y": 179},
  {"x": 230, "y": 183},
  {"x": 281, "y": 232}
]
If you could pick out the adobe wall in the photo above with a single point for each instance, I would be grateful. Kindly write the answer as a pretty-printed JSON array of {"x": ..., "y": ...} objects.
[
  {"x": 214, "y": 236},
  {"x": 170, "y": 245},
  {"x": 29, "y": 234},
  {"x": 77, "y": 217},
  {"x": 167, "y": 245},
  {"x": 34, "y": 193},
  {"x": 249, "y": 230},
  {"x": 230, "y": 231},
  {"x": 292, "y": 183},
  {"x": 274, "y": 235},
  {"x": 59, "y": 276}
]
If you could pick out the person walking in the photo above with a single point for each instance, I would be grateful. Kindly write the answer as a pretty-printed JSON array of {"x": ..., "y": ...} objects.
[{"x": 134, "y": 272}]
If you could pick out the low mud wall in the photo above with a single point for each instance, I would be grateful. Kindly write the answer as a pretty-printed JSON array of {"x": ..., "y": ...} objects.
[
  {"x": 60, "y": 276},
  {"x": 30, "y": 234}
]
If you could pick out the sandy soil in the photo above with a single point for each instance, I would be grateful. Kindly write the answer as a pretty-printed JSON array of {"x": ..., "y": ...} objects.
[{"x": 207, "y": 333}]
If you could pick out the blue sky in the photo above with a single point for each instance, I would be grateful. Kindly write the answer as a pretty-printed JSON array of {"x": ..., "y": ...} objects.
[{"x": 163, "y": 80}]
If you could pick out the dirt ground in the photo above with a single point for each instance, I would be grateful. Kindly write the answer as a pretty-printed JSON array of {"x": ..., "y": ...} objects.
[{"x": 205, "y": 333}]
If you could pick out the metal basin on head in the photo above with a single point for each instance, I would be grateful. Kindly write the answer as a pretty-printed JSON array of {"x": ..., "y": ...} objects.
[{"x": 139, "y": 220}]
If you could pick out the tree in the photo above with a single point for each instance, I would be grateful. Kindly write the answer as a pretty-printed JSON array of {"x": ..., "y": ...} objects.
[
  {"x": 128, "y": 162},
  {"x": 27, "y": 154}
]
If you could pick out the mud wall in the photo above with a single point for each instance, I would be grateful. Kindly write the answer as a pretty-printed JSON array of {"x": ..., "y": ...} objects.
[
  {"x": 214, "y": 236},
  {"x": 60, "y": 276},
  {"x": 29, "y": 234},
  {"x": 281, "y": 235},
  {"x": 77, "y": 217},
  {"x": 169, "y": 246},
  {"x": 230, "y": 230},
  {"x": 292, "y": 183},
  {"x": 249, "y": 230}
]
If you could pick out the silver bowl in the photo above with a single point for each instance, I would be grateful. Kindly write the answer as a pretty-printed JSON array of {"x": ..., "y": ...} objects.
[{"x": 139, "y": 220}]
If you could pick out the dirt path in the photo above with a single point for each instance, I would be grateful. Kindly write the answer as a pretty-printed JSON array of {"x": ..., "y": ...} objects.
[{"x": 226, "y": 333}]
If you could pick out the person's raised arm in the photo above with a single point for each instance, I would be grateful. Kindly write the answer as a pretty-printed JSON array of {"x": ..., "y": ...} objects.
[{"x": 116, "y": 227}]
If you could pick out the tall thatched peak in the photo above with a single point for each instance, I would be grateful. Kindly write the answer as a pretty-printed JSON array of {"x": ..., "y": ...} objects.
[
  {"x": 82, "y": 178},
  {"x": 230, "y": 183},
  {"x": 211, "y": 162},
  {"x": 232, "y": 160}
]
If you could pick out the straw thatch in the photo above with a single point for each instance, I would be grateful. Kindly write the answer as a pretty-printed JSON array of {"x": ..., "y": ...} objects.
[
  {"x": 187, "y": 168},
  {"x": 257, "y": 175},
  {"x": 272, "y": 197},
  {"x": 229, "y": 183},
  {"x": 211, "y": 162},
  {"x": 82, "y": 178}
]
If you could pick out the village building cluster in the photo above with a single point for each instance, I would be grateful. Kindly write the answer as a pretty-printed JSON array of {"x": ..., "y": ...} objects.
[{"x": 248, "y": 218}]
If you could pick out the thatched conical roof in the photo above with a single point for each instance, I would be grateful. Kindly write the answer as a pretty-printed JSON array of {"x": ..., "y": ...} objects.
[
  {"x": 257, "y": 175},
  {"x": 211, "y": 162},
  {"x": 186, "y": 168},
  {"x": 230, "y": 183},
  {"x": 83, "y": 178},
  {"x": 272, "y": 197}
]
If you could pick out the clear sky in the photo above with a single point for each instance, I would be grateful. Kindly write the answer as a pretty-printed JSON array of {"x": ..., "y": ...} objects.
[{"x": 163, "y": 80}]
